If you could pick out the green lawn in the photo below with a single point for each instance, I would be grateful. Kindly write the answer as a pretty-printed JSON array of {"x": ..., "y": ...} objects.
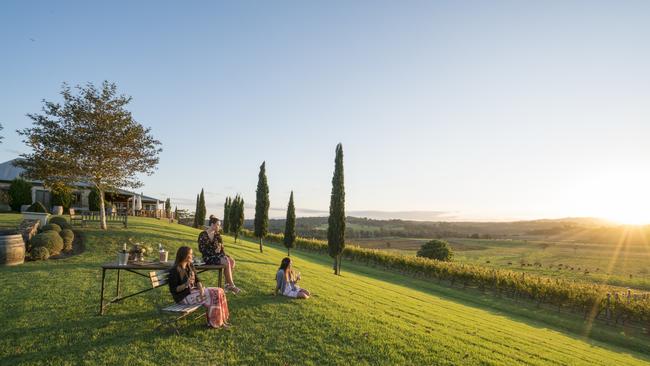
[{"x": 366, "y": 316}]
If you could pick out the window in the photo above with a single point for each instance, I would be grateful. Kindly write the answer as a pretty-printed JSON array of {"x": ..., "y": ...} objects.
[
  {"x": 43, "y": 197},
  {"x": 76, "y": 199}
]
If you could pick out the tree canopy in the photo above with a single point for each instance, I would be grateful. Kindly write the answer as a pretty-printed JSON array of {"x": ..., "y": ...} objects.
[
  {"x": 436, "y": 249},
  {"x": 90, "y": 137}
]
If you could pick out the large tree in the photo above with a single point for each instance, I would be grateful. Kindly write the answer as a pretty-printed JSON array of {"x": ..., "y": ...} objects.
[
  {"x": 290, "y": 226},
  {"x": 226, "y": 216},
  {"x": 89, "y": 137},
  {"x": 262, "y": 206},
  {"x": 237, "y": 216},
  {"x": 202, "y": 211},
  {"x": 336, "y": 227}
]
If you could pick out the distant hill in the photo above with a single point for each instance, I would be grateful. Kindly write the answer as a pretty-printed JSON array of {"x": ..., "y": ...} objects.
[{"x": 574, "y": 228}]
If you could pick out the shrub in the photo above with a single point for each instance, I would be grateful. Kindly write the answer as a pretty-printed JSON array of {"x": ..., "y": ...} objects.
[
  {"x": 50, "y": 240},
  {"x": 436, "y": 249},
  {"x": 52, "y": 227},
  {"x": 37, "y": 207},
  {"x": 68, "y": 237},
  {"x": 62, "y": 197},
  {"x": 61, "y": 221},
  {"x": 93, "y": 200},
  {"x": 20, "y": 193},
  {"x": 39, "y": 254}
]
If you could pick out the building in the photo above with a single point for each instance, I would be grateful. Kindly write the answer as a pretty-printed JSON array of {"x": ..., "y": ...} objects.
[{"x": 123, "y": 201}]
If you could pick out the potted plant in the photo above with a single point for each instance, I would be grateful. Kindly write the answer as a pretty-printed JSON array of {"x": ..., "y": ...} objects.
[{"x": 37, "y": 212}]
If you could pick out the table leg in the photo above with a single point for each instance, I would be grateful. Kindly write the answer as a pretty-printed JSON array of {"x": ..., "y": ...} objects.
[
  {"x": 117, "y": 291},
  {"x": 219, "y": 281},
  {"x": 101, "y": 299}
]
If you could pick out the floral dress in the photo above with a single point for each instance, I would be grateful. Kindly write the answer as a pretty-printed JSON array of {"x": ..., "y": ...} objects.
[{"x": 211, "y": 249}]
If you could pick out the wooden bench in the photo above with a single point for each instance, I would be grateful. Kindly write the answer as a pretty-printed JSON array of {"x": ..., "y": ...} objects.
[{"x": 177, "y": 311}]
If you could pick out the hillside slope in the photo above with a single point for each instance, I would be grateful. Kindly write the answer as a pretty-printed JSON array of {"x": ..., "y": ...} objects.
[{"x": 365, "y": 316}]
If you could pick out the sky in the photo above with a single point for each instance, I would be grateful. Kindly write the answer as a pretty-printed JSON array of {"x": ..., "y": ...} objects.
[{"x": 447, "y": 110}]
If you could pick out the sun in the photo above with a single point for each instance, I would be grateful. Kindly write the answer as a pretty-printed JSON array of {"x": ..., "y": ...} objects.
[{"x": 619, "y": 194}]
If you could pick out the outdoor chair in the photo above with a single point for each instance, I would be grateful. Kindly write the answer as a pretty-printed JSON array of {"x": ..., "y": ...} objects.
[
  {"x": 75, "y": 217},
  {"x": 173, "y": 313}
]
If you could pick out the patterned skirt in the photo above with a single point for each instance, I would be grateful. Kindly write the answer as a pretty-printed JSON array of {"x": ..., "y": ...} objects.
[{"x": 214, "y": 299}]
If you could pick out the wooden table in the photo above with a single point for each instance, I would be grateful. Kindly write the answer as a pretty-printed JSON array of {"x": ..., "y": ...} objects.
[{"x": 143, "y": 269}]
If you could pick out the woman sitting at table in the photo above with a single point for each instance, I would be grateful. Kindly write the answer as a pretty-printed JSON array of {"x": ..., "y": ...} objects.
[
  {"x": 211, "y": 247},
  {"x": 186, "y": 288}
]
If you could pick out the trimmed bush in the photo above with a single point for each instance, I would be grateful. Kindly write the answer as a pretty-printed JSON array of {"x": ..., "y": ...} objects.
[
  {"x": 61, "y": 221},
  {"x": 39, "y": 254},
  {"x": 436, "y": 249},
  {"x": 37, "y": 207},
  {"x": 68, "y": 237},
  {"x": 52, "y": 227},
  {"x": 20, "y": 193},
  {"x": 50, "y": 240}
]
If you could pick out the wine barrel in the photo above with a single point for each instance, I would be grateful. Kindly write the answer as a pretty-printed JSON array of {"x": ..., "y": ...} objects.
[{"x": 12, "y": 248}]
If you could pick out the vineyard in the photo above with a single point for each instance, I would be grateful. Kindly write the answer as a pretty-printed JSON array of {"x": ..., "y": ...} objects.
[{"x": 593, "y": 301}]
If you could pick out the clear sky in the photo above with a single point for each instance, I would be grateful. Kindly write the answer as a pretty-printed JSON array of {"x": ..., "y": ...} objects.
[{"x": 446, "y": 109}]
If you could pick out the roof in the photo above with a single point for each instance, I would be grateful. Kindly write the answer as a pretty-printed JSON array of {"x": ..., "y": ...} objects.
[{"x": 9, "y": 172}]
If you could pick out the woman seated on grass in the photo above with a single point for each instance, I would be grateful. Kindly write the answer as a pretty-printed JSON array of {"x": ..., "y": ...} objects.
[
  {"x": 286, "y": 279},
  {"x": 186, "y": 288},
  {"x": 211, "y": 247}
]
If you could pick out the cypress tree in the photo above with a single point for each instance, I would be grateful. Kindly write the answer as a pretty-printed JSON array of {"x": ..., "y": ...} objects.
[
  {"x": 232, "y": 214},
  {"x": 262, "y": 206},
  {"x": 237, "y": 216},
  {"x": 336, "y": 222},
  {"x": 196, "y": 212},
  {"x": 226, "y": 216},
  {"x": 290, "y": 226},
  {"x": 168, "y": 208},
  {"x": 202, "y": 211},
  {"x": 176, "y": 214}
]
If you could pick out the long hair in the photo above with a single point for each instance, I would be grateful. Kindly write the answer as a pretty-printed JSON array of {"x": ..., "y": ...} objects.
[
  {"x": 284, "y": 265},
  {"x": 181, "y": 256}
]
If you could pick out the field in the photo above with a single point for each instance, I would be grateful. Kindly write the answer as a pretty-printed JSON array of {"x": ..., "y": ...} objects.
[
  {"x": 365, "y": 316},
  {"x": 619, "y": 265}
]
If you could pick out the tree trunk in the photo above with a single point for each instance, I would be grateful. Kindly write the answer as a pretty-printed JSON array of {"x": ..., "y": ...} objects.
[
  {"x": 102, "y": 210},
  {"x": 335, "y": 267},
  {"x": 338, "y": 266},
  {"x": 261, "y": 250}
]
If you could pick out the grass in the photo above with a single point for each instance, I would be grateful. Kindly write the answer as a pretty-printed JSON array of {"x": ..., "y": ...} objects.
[
  {"x": 625, "y": 265},
  {"x": 365, "y": 316}
]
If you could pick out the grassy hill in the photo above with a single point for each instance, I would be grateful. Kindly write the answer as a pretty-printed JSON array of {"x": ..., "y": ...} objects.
[{"x": 365, "y": 316}]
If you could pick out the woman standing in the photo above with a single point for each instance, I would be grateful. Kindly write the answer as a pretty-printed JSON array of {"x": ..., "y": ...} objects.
[
  {"x": 186, "y": 288},
  {"x": 211, "y": 247}
]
